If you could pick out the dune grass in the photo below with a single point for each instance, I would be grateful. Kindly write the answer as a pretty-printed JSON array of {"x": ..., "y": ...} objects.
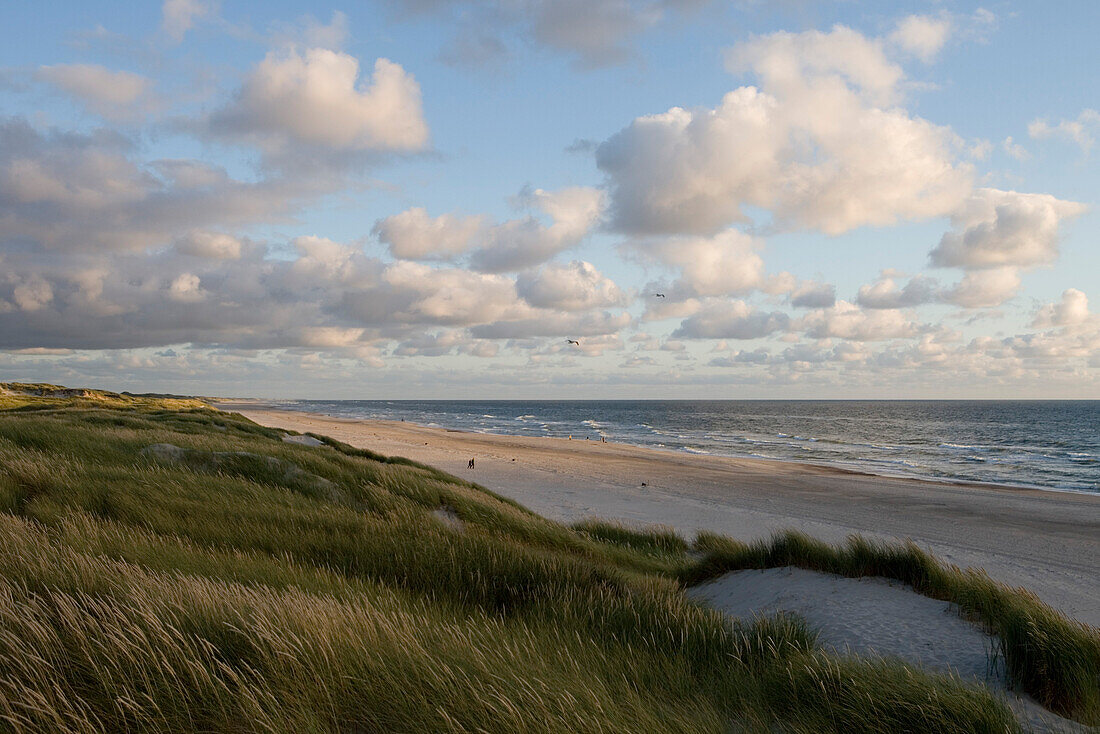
[
  {"x": 237, "y": 582},
  {"x": 1054, "y": 659}
]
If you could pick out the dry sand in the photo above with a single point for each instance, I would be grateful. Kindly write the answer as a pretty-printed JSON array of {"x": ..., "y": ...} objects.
[{"x": 1047, "y": 542}]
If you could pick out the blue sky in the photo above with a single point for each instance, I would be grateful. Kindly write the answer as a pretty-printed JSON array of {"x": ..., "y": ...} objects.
[{"x": 852, "y": 199}]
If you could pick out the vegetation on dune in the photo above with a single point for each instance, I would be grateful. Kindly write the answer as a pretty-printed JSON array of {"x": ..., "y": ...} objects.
[
  {"x": 1051, "y": 657},
  {"x": 233, "y": 581}
]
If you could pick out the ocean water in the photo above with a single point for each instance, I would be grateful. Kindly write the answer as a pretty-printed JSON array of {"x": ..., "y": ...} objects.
[{"x": 1046, "y": 444}]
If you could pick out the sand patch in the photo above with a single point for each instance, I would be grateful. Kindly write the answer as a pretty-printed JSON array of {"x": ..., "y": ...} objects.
[
  {"x": 864, "y": 616},
  {"x": 875, "y": 617},
  {"x": 302, "y": 440},
  {"x": 450, "y": 518}
]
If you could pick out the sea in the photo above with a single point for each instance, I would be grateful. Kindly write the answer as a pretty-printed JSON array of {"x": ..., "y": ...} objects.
[{"x": 1051, "y": 445}]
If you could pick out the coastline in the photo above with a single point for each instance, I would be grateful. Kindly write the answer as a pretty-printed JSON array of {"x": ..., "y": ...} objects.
[{"x": 1040, "y": 539}]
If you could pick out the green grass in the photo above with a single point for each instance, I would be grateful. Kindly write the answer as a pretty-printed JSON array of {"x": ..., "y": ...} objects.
[{"x": 252, "y": 584}]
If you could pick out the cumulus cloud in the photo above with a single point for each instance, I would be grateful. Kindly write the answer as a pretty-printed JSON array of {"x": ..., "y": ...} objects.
[
  {"x": 576, "y": 286},
  {"x": 512, "y": 245},
  {"x": 110, "y": 94},
  {"x": 978, "y": 289},
  {"x": 414, "y": 235},
  {"x": 298, "y": 104},
  {"x": 1072, "y": 310},
  {"x": 984, "y": 288},
  {"x": 731, "y": 319},
  {"x": 212, "y": 245},
  {"x": 523, "y": 243},
  {"x": 186, "y": 287},
  {"x": 820, "y": 143},
  {"x": 811, "y": 294},
  {"x": 921, "y": 35},
  {"x": 89, "y": 192},
  {"x": 848, "y": 321},
  {"x": 724, "y": 264},
  {"x": 1080, "y": 130},
  {"x": 995, "y": 228},
  {"x": 431, "y": 344},
  {"x": 329, "y": 295},
  {"x": 885, "y": 293}
]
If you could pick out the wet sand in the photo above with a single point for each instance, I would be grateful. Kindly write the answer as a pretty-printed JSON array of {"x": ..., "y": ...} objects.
[{"x": 1048, "y": 542}]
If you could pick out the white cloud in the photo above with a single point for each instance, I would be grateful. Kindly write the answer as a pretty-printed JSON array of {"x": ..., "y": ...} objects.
[
  {"x": 997, "y": 228},
  {"x": 110, "y": 94},
  {"x": 810, "y": 294},
  {"x": 431, "y": 344},
  {"x": 329, "y": 296},
  {"x": 848, "y": 321},
  {"x": 212, "y": 245},
  {"x": 658, "y": 309},
  {"x": 31, "y": 293},
  {"x": 725, "y": 264},
  {"x": 885, "y": 294},
  {"x": 87, "y": 192},
  {"x": 512, "y": 245},
  {"x": 414, "y": 235},
  {"x": 921, "y": 35},
  {"x": 450, "y": 296},
  {"x": 984, "y": 288},
  {"x": 1080, "y": 130},
  {"x": 186, "y": 287},
  {"x": 297, "y": 104},
  {"x": 1014, "y": 149},
  {"x": 978, "y": 289},
  {"x": 576, "y": 286},
  {"x": 791, "y": 63},
  {"x": 572, "y": 325},
  {"x": 179, "y": 16},
  {"x": 522, "y": 243},
  {"x": 731, "y": 319},
  {"x": 1072, "y": 310},
  {"x": 819, "y": 143}
]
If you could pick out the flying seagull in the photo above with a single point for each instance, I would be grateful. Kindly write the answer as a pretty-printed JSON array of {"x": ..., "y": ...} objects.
[
  {"x": 659, "y": 295},
  {"x": 572, "y": 341}
]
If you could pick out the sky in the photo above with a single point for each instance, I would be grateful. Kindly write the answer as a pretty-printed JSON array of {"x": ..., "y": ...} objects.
[{"x": 552, "y": 199}]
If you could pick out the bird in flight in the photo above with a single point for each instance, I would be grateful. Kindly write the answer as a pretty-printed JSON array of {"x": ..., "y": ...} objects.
[
  {"x": 572, "y": 341},
  {"x": 659, "y": 295}
]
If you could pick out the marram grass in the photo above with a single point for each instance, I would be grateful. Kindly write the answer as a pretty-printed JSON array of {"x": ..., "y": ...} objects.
[{"x": 251, "y": 584}]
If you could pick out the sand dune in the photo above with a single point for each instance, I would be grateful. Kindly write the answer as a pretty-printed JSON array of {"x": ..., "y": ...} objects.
[
  {"x": 1045, "y": 541},
  {"x": 874, "y": 617}
]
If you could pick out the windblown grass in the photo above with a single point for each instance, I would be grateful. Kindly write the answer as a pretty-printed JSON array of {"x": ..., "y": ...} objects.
[
  {"x": 1054, "y": 659},
  {"x": 243, "y": 583}
]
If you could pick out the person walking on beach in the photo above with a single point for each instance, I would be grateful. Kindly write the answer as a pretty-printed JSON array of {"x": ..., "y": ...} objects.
[{"x": 470, "y": 465}]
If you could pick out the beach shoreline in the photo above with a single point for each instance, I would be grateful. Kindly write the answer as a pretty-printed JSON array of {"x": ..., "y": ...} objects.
[{"x": 1036, "y": 538}]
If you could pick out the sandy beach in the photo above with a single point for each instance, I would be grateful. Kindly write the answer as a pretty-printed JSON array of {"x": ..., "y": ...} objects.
[{"x": 1044, "y": 541}]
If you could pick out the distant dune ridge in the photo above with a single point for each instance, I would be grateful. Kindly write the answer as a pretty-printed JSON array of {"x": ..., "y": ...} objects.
[{"x": 242, "y": 581}]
